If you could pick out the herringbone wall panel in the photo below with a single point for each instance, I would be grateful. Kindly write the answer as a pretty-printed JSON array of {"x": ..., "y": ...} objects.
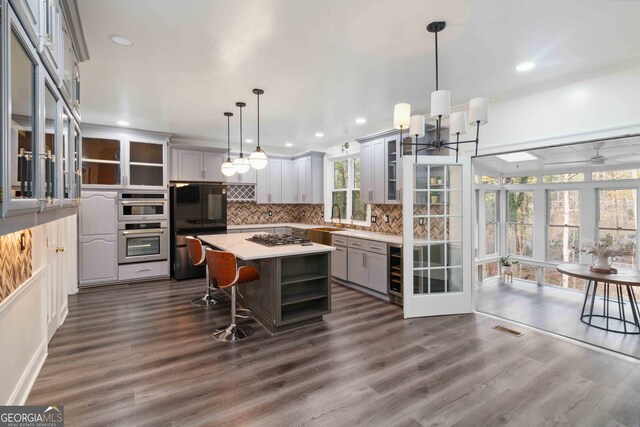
[
  {"x": 15, "y": 265},
  {"x": 239, "y": 213}
]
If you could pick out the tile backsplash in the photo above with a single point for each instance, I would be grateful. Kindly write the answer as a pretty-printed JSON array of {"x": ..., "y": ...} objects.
[
  {"x": 239, "y": 213},
  {"x": 15, "y": 264}
]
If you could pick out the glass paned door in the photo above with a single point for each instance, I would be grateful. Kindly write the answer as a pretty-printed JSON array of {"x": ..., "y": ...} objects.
[{"x": 437, "y": 245}]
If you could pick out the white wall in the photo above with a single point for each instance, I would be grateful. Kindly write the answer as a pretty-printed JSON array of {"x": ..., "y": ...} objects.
[{"x": 601, "y": 106}]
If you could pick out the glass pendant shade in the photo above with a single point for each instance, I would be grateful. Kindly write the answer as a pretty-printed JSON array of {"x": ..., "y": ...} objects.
[
  {"x": 258, "y": 159},
  {"x": 458, "y": 123},
  {"x": 227, "y": 168},
  {"x": 241, "y": 165},
  {"x": 478, "y": 111},
  {"x": 417, "y": 125},
  {"x": 440, "y": 103},
  {"x": 401, "y": 115}
]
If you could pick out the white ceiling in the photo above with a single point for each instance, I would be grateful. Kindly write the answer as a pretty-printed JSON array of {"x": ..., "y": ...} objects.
[
  {"x": 323, "y": 63},
  {"x": 618, "y": 153}
]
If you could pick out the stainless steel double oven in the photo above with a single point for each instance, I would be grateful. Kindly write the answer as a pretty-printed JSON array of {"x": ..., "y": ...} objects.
[{"x": 142, "y": 227}]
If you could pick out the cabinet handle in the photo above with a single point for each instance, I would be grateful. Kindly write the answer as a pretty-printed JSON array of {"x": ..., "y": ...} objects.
[
  {"x": 140, "y": 270},
  {"x": 364, "y": 259},
  {"x": 376, "y": 248},
  {"x": 355, "y": 244}
]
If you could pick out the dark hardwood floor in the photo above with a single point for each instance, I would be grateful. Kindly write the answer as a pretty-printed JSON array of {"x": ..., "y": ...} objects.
[{"x": 142, "y": 355}]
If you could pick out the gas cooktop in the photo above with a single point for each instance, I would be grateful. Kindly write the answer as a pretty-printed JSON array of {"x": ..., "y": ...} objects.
[{"x": 279, "y": 240}]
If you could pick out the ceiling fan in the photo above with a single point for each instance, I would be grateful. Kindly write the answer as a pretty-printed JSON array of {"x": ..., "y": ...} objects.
[{"x": 596, "y": 160}]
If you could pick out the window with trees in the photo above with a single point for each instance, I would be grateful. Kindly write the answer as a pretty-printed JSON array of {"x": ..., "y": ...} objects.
[
  {"x": 617, "y": 222},
  {"x": 491, "y": 222},
  {"x": 520, "y": 223},
  {"x": 345, "y": 192},
  {"x": 563, "y": 225}
]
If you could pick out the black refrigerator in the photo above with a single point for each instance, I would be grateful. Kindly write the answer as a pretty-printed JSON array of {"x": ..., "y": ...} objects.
[{"x": 196, "y": 209}]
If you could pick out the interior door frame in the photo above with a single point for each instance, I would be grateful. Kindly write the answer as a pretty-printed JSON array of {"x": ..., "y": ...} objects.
[{"x": 420, "y": 305}]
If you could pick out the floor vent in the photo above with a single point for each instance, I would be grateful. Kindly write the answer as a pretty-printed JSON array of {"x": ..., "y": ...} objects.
[{"x": 508, "y": 331}]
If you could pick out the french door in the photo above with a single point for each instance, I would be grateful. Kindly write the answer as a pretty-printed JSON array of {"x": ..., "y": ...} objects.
[{"x": 437, "y": 236}]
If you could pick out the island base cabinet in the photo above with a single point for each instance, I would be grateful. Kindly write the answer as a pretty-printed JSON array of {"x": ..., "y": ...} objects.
[{"x": 292, "y": 291}]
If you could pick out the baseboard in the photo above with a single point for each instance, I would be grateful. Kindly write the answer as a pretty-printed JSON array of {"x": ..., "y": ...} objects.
[
  {"x": 64, "y": 316},
  {"x": 22, "y": 390}
]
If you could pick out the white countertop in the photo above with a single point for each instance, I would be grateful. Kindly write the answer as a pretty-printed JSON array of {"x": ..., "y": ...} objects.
[
  {"x": 237, "y": 244},
  {"x": 360, "y": 234},
  {"x": 279, "y": 224},
  {"x": 370, "y": 235}
]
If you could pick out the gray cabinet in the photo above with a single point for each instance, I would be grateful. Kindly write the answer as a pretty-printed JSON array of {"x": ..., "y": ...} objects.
[
  {"x": 308, "y": 177},
  {"x": 357, "y": 272},
  {"x": 196, "y": 165},
  {"x": 372, "y": 171},
  {"x": 70, "y": 73},
  {"x": 366, "y": 171},
  {"x": 98, "y": 259},
  {"x": 190, "y": 166},
  {"x": 52, "y": 40},
  {"x": 339, "y": 263},
  {"x": 269, "y": 182},
  {"x": 367, "y": 264},
  {"x": 30, "y": 13},
  {"x": 98, "y": 213},
  {"x": 288, "y": 185},
  {"x": 376, "y": 266},
  {"x": 212, "y": 163}
]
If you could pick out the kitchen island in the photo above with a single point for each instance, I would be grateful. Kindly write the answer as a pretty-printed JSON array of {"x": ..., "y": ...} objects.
[{"x": 295, "y": 281}]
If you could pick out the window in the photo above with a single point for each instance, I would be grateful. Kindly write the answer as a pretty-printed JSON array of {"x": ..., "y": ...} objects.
[
  {"x": 553, "y": 277},
  {"x": 613, "y": 175},
  {"x": 345, "y": 192},
  {"x": 617, "y": 222},
  {"x": 484, "y": 179},
  {"x": 491, "y": 222},
  {"x": 520, "y": 223},
  {"x": 563, "y": 177},
  {"x": 519, "y": 180},
  {"x": 563, "y": 225}
]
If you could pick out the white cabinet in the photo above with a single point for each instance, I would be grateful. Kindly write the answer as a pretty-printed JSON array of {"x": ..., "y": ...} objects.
[
  {"x": 357, "y": 272},
  {"x": 246, "y": 178},
  {"x": 288, "y": 185},
  {"x": 190, "y": 165},
  {"x": 376, "y": 266},
  {"x": 52, "y": 38},
  {"x": 98, "y": 237},
  {"x": 379, "y": 169},
  {"x": 308, "y": 176},
  {"x": 339, "y": 263},
  {"x": 372, "y": 171},
  {"x": 98, "y": 259},
  {"x": 212, "y": 163},
  {"x": 366, "y": 171},
  {"x": 269, "y": 182}
]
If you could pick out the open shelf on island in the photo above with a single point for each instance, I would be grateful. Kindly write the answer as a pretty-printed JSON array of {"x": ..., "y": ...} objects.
[
  {"x": 303, "y": 277},
  {"x": 302, "y": 297}
]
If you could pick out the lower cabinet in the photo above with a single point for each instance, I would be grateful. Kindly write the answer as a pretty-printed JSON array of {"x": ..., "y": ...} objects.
[
  {"x": 98, "y": 259},
  {"x": 358, "y": 273},
  {"x": 339, "y": 263},
  {"x": 376, "y": 266}
]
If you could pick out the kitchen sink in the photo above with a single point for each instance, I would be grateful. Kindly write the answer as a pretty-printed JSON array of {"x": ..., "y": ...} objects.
[{"x": 322, "y": 235}]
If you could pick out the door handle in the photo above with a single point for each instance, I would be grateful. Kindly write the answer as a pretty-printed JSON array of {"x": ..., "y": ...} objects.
[{"x": 59, "y": 250}]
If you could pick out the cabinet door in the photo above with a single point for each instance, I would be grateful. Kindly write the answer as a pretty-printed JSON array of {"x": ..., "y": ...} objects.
[
  {"x": 30, "y": 13},
  {"x": 102, "y": 161},
  {"x": 212, "y": 164},
  {"x": 288, "y": 183},
  {"x": 376, "y": 265},
  {"x": 146, "y": 164},
  {"x": 357, "y": 273},
  {"x": 392, "y": 150},
  {"x": 263, "y": 182},
  {"x": 190, "y": 165},
  {"x": 275, "y": 181},
  {"x": 307, "y": 197},
  {"x": 52, "y": 38},
  {"x": 98, "y": 213},
  {"x": 51, "y": 161},
  {"x": 378, "y": 169},
  {"x": 302, "y": 180},
  {"x": 98, "y": 259},
  {"x": 339, "y": 263},
  {"x": 366, "y": 172},
  {"x": 249, "y": 177}
]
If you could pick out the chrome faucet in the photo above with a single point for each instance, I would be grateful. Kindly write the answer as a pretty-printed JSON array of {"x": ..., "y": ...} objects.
[{"x": 339, "y": 214}]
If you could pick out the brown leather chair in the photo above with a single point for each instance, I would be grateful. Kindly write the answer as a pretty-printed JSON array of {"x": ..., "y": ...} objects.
[
  {"x": 197, "y": 257},
  {"x": 224, "y": 272}
]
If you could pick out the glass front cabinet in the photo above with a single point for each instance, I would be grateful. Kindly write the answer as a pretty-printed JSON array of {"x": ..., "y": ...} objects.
[
  {"x": 119, "y": 161},
  {"x": 40, "y": 140}
]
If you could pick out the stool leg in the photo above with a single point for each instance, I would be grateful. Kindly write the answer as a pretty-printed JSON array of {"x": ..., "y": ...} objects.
[
  {"x": 232, "y": 332},
  {"x": 207, "y": 299}
]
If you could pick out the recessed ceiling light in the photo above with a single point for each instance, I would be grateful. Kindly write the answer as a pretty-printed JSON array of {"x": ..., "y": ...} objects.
[
  {"x": 319, "y": 134},
  {"x": 361, "y": 121},
  {"x": 123, "y": 123},
  {"x": 522, "y": 156},
  {"x": 288, "y": 144},
  {"x": 121, "y": 40},
  {"x": 248, "y": 140},
  {"x": 525, "y": 66}
]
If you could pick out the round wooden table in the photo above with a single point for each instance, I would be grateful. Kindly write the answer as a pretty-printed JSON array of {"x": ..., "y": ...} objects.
[{"x": 624, "y": 278}]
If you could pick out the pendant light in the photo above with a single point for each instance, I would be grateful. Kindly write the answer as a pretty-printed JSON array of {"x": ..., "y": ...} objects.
[
  {"x": 441, "y": 108},
  {"x": 241, "y": 165},
  {"x": 258, "y": 159},
  {"x": 227, "y": 167}
]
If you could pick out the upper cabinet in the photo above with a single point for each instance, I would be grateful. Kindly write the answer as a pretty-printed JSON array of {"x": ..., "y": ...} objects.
[
  {"x": 123, "y": 160},
  {"x": 30, "y": 13},
  {"x": 196, "y": 165},
  {"x": 70, "y": 72},
  {"x": 295, "y": 181},
  {"x": 308, "y": 176},
  {"x": 52, "y": 38},
  {"x": 379, "y": 170}
]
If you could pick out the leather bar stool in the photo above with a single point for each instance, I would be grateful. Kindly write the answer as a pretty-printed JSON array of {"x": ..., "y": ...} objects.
[
  {"x": 224, "y": 272},
  {"x": 197, "y": 257}
]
